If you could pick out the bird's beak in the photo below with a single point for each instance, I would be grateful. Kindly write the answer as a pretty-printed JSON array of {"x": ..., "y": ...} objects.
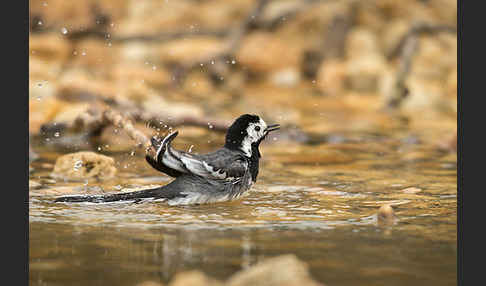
[{"x": 272, "y": 127}]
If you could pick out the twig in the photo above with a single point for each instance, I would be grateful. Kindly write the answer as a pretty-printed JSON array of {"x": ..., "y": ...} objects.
[
  {"x": 417, "y": 29},
  {"x": 406, "y": 49},
  {"x": 400, "y": 91}
]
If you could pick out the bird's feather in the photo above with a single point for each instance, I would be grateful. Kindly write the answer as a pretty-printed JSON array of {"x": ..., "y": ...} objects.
[{"x": 223, "y": 164}]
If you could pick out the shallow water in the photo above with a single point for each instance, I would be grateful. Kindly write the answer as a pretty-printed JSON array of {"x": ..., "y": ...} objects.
[{"x": 316, "y": 201}]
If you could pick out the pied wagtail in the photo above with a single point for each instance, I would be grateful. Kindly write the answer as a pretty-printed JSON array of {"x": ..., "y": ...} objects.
[{"x": 222, "y": 175}]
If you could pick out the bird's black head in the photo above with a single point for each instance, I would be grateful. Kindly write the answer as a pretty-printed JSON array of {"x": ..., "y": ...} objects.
[{"x": 246, "y": 132}]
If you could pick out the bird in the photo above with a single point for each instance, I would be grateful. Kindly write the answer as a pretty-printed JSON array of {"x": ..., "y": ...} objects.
[{"x": 218, "y": 176}]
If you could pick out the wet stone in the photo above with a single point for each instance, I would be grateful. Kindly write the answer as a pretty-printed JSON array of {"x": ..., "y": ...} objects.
[
  {"x": 386, "y": 215},
  {"x": 194, "y": 278},
  {"x": 283, "y": 270},
  {"x": 84, "y": 165}
]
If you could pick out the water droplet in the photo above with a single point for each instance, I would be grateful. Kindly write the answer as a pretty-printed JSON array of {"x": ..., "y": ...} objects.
[
  {"x": 64, "y": 30},
  {"x": 77, "y": 165}
]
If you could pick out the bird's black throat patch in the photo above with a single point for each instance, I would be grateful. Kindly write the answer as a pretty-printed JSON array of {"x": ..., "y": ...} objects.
[{"x": 255, "y": 161}]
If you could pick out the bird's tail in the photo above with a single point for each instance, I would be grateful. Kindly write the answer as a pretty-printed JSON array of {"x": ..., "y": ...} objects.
[{"x": 156, "y": 193}]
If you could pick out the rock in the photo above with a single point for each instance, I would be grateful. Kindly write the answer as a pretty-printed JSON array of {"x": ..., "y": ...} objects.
[
  {"x": 254, "y": 53},
  {"x": 386, "y": 215},
  {"x": 288, "y": 77},
  {"x": 425, "y": 94},
  {"x": 49, "y": 47},
  {"x": 369, "y": 15},
  {"x": 361, "y": 42},
  {"x": 435, "y": 57},
  {"x": 193, "y": 278},
  {"x": 70, "y": 112},
  {"x": 84, "y": 165},
  {"x": 79, "y": 85},
  {"x": 76, "y": 16},
  {"x": 43, "y": 71},
  {"x": 157, "y": 104},
  {"x": 143, "y": 18},
  {"x": 189, "y": 50},
  {"x": 95, "y": 55},
  {"x": 158, "y": 77},
  {"x": 114, "y": 139},
  {"x": 364, "y": 73},
  {"x": 284, "y": 270},
  {"x": 199, "y": 85},
  {"x": 330, "y": 76},
  {"x": 446, "y": 10},
  {"x": 136, "y": 52},
  {"x": 41, "y": 111}
]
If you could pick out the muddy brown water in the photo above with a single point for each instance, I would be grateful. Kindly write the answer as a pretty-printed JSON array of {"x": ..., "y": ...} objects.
[{"x": 316, "y": 201}]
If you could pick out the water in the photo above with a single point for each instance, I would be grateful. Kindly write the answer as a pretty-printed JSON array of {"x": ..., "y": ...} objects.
[{"x": 316, "y": 201}]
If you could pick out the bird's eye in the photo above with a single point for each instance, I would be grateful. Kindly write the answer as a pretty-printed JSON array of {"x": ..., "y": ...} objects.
[{"x": 257, "y": 128}]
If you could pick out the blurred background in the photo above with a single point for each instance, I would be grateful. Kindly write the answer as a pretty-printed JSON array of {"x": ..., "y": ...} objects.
[{"x": 324, "y": 66}]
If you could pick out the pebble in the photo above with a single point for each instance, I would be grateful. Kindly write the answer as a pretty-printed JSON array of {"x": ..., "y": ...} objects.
[{"x": 386, "y": 215}]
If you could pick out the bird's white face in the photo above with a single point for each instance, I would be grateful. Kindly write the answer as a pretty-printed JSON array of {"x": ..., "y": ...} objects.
[{"x": 255, "y": 131}]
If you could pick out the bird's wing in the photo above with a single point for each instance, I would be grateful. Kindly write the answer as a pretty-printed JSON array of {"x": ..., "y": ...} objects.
[
  {"x": 160, "y": 146},
  {"x": 220, "y": 165}
]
